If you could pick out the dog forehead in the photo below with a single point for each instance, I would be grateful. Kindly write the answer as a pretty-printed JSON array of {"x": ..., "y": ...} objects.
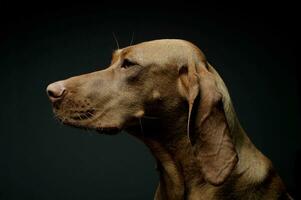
[{"x": 162, "y": 51}]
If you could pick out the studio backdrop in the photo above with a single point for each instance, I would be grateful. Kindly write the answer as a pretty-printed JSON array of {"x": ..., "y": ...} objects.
[{"x": 41, "y": 159}]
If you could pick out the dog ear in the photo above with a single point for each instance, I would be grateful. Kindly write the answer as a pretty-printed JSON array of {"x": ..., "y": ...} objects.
[{"x": 208, "y": 130}]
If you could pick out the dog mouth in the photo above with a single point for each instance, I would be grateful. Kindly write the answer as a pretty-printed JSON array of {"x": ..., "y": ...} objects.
[{"x": 84, "y": 120}]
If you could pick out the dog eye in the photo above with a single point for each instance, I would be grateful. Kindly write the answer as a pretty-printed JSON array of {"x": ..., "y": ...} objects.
[{"x": 126, "y": 64}]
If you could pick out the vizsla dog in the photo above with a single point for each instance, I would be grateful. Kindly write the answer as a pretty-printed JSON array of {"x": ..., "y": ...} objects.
[{"x": 165, "y": 93}]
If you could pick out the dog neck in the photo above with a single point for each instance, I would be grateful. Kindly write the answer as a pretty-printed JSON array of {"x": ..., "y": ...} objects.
[{"x": 172, "y": 183}]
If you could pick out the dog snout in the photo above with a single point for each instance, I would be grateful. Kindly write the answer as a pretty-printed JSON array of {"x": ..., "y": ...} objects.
[{"x": 56, "y": 91}]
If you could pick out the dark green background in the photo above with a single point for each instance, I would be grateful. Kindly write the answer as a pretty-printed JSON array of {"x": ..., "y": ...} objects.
[{"x": 253, "y": 48}]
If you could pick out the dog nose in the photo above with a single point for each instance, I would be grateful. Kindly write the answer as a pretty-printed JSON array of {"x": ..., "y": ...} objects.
[{"x": 55, "y": 91}]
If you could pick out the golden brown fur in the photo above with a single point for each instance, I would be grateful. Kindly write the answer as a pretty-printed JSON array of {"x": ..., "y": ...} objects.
[{"x": 165, "y": 93}]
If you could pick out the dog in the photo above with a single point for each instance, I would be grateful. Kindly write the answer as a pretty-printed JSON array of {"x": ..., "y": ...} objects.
[{"x": 166, "y": 94}]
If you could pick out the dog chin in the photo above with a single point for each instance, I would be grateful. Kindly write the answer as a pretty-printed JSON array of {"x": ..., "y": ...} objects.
[{"x": 100, "y": 130}]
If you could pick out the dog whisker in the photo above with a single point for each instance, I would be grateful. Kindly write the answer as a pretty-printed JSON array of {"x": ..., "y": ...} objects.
[
  {"x": 132, "y": 40},
  {"x": 116, "y": 40}
]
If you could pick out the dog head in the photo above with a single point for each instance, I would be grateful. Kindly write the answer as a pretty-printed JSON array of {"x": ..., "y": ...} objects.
[{"x": 138, "y": 78}]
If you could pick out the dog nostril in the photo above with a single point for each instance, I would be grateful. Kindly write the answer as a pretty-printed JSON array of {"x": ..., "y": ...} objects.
[
  {"x": 55, "y": 94},
  {"x": 55, "y": 91},
  {"x": 50, "y": 93}
]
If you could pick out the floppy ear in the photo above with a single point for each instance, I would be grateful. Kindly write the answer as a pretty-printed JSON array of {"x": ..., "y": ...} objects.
[{"x": 207, "y": 127}]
